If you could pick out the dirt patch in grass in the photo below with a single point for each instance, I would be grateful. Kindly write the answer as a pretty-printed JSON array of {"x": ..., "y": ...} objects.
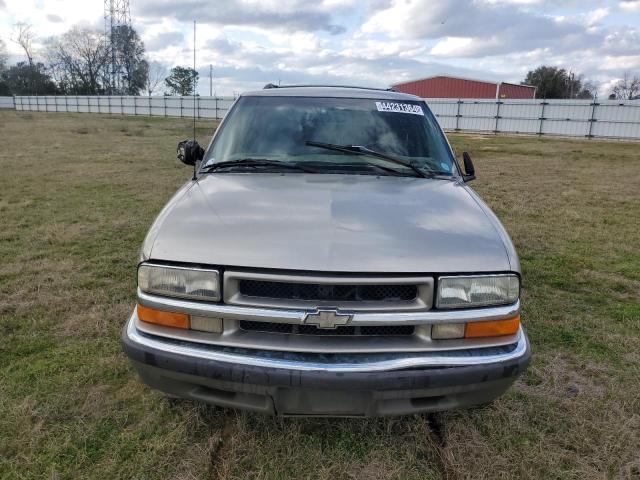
[{"x": 74, "y": 408}]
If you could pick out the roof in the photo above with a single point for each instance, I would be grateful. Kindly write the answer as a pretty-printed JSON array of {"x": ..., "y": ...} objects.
[
  {"x": 519, "y": 85},
  {"x": 330, "y": 91},
  {"x": 491, "y": 82}
]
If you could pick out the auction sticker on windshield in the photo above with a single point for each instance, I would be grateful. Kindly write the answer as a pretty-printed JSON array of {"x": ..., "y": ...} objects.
[{"x": 399, "y": 108}]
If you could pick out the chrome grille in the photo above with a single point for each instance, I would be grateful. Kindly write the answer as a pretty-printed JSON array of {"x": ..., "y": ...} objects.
[{"x": 294, "y": 329}]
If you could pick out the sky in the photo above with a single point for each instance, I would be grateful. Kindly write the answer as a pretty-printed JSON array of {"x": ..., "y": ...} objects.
[{"x": 371, "y": 43}]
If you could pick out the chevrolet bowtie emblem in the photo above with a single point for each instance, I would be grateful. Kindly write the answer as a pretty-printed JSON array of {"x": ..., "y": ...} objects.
[{"x": 327, "y": 318}]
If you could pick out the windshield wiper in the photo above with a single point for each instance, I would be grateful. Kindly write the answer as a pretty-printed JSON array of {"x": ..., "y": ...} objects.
[
  {"x": 362, "y": 150},
  {"x": 254, "y": 162}
]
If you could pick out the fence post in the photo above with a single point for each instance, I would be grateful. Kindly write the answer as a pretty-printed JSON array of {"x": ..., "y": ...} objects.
[
  {"x": 135, "y": 107},
  {"x": 593, "y": 118},
  {"x": 198, "y": 105},
  {"x": 495, "y": 130},
  {"x": 149, "y": 105},
  {"x": 217, "y": 116},
  {"x": 109, "y": 103},
  {"x": 458, "y": 115},
  {"x": 542, "y": 119},
  {"x": 121, "y": 105},
  {"x": 164, "y": 97},
  {"x": 180, "y": 106}
]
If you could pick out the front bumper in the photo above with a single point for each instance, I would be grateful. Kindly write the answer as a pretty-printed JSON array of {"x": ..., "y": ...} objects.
[{"x": 315, "y": 384}]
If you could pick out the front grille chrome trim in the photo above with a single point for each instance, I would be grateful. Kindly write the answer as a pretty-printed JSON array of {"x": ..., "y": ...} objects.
[
  {"x": 234, "y": 312},
  {"x": 423, "y": 284}
]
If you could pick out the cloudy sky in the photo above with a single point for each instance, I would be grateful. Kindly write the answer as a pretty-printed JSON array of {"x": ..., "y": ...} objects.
[{"x": 376, "y": 42}]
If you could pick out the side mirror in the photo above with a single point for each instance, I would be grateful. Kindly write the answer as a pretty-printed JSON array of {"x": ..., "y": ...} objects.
[
  {"x": 469, "y": 170},
  {"x": 189, "y": 152}
]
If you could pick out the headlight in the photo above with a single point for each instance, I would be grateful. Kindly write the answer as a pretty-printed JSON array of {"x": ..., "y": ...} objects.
[
  {"x": 477, "y": 291},
  {"x": 195, "y": 283}
]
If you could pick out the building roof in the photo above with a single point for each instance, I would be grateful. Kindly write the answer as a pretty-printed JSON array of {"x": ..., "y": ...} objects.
[{"x": 490, "y": 82}]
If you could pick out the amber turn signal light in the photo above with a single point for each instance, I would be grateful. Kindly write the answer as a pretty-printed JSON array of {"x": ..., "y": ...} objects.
[
  {"x": 160, "y": 317},
  {"x": 492, "y": 328}
]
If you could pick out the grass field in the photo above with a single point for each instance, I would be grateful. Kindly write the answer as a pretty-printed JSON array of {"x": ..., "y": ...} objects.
[{"x": 77, "y": 193}]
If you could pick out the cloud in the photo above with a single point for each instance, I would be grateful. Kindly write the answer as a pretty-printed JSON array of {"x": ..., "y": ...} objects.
[
  {"x": 443, "y": 18},
  {"x": 488, "y": 27},
  {"x": 294, "y": 14},
  {"x": 621, "y": 42},
  {"x": 630, "y": 5},
  {"x": 164, "y": 40},
  {"x": 222, "y": 45},
  {"x": 374, "y": 42},
  {"x": 252, "y": 67}
]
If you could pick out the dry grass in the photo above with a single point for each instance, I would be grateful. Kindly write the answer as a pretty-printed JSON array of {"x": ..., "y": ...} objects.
[{"x": 77, "y": 193}]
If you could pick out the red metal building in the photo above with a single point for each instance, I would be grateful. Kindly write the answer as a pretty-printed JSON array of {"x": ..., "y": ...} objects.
[{"x": 453, "y": 87}]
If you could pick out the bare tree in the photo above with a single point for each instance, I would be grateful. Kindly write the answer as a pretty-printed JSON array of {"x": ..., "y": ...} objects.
[
  {"x": 628, "y": 88},
  {"x": 156, "y": 74},
  {"x": 24, "y": 37},
  {"x": 588, "y": 89},
  {"x": 79, "y": 61}
]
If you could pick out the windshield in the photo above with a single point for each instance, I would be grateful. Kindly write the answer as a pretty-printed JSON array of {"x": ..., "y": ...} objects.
[{"x": 281, "y": 128}]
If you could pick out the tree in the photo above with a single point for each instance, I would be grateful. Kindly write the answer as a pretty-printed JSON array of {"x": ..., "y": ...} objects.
[
  {"x": 628, "y": 88},
  {"x": 554, "y": 82},
  {"x": 4, "y": 88},
  {"x": 80, "y": 62},
  {"x": 156, "y": 73},
  {"x": 588, "y": 90},
  {"x": 25, "y": 79},
  {"x": 181, "y": 81},
  {"x": 130, "y": 64},
  {"x": 24, "y": 38},
  {"x": 3, "y": 55}
]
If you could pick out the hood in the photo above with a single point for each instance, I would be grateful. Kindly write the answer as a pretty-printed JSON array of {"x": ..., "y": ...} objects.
[{"x": 332, "y": 223}]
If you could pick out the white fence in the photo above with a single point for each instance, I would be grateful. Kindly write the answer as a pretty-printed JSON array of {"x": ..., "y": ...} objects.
[
  {"x": 6, "y": 102},
  {"x": 205, "y": 107},
  {"x": 577, "y": 118}
]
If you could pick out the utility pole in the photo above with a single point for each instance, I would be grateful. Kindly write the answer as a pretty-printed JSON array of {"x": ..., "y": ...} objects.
[
  {"x": 117, "y": 23},
  {"x": 210, "y": 80},
  {"x": 571, "y": 81}
]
